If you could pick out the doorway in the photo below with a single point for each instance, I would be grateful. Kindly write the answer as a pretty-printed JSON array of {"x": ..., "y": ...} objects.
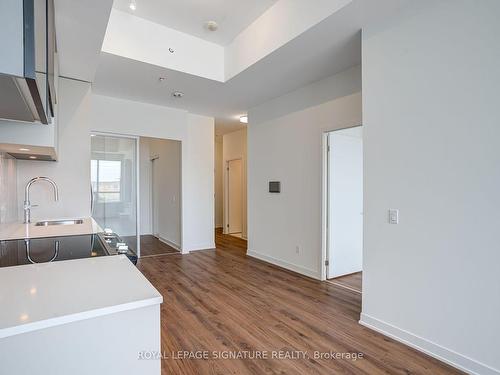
[
  {"x": 345, "y": 207},
  {"x": 161, "y": 186},
  {"x": 235, "y": 197}
]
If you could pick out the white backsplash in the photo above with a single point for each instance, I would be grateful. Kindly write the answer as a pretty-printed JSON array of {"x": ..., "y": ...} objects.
[{"x": 8, "y": 189}]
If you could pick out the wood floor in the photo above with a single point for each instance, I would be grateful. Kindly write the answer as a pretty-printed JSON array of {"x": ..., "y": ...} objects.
[
  {"x": 352, "y": 281},
  {"x": 221, "y": 300},
  {"x": 150, "y": 245}
]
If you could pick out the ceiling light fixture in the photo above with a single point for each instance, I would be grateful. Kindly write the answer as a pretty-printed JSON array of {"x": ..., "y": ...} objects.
[
  {"x": 211, "y": 25},
  {"x": 24, "y": 149},
  {"x": 177, "y": 94},
  {"x": 133, "y": 5},
  {"x": 244, "y": 119},
  {"x": 32, "y": 157},
  {"x": 162, "y": 79}
]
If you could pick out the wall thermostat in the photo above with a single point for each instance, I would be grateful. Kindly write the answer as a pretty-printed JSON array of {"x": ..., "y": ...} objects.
[{"x": 274, "y": 186}]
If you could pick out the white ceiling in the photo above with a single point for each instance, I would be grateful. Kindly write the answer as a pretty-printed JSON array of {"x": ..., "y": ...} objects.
[
  {"x": 189, "y": 16},
  {"x": 330, "y": 47}
]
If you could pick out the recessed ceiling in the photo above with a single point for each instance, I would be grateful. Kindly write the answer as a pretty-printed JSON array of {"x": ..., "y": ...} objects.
[
  {"x": 190, "y": 16},
  {"x": 330, "y": 47}
]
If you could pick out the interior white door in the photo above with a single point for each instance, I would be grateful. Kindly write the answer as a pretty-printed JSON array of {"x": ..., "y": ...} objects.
[
  {"x": 235, "y": 213},
  {"x": 345, "y": 174}
]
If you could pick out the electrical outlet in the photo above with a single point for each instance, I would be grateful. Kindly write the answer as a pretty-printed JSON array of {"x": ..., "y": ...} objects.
[{"x": 393, "y": 216}]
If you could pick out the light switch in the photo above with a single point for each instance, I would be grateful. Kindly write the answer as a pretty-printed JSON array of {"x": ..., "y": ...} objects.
[{"x": 393, "y": 216}]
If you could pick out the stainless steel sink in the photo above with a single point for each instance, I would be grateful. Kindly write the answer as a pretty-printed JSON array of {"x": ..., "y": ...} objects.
[{"x": 58, "y": 222}]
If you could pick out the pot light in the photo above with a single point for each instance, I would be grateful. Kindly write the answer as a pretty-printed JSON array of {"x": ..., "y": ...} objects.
[
  {"x": 132, "y": 5},
  {"x": 32, "y": 157},
  {"x": 24, "y": 149},
  {"x": 244, "y": 119},
  {"x": 177, "y": 94}
]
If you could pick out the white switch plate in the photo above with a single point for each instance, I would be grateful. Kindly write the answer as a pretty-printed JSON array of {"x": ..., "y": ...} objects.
[{"x": 393, "y": 216}]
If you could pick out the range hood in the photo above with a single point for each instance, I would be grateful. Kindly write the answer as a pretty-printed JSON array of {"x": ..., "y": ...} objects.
[{"x": 27, "y": 41}]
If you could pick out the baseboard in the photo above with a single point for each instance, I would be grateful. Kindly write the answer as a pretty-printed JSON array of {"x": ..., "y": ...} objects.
[
  {"x": 445, "y": 355},
  {"x": 170, "y": 243},
  {"x": 210, "y": 246},
  {"x": 281, "y": 263}
]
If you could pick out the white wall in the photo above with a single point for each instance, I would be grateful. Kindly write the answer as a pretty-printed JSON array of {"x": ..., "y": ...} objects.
[
  {"x": 234, "y": 146},
  {"x": 80, "y": 112},
  {"x": 145, "y": 186},
  {"x": 430, "y": 109},
  {"x": 218, "y": 182},
  {"x": 198, "y": 184},
  {"x": 8, "y": 189},
  {"x": 285, "y": 144}
]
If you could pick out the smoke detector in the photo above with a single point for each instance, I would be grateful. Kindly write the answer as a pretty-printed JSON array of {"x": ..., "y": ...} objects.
[
  {"x": 211, "y": 25},
  {"x": 177, "y": 94}
]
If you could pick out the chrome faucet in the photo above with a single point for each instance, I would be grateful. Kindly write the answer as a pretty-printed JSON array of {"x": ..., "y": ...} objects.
[{"x": 27, "y": 204}]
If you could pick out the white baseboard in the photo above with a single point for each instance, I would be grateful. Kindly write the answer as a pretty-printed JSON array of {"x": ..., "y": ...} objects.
[
  {"x": 170, "y": 243},
  {"x": 281, "y": 263},
  {"x": 445, "y": 355},
  {"x": 210, "y": 246}
]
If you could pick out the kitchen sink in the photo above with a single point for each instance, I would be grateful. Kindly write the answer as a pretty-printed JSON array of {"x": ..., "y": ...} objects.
[{"x": 58, "y": 222}]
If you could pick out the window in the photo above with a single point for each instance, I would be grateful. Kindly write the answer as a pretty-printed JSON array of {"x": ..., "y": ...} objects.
[{"x": 106, "y": 180}]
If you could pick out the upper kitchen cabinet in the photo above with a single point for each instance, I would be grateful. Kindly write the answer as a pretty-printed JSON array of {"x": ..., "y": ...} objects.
[
  {"x": 27, "y": 42},
  {"x": 28, "y": 79}
]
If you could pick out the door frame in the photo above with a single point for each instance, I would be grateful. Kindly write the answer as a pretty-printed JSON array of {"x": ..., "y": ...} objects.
[
  {"x": 151, "y": 197},
  {"x": 137, "y": 173},
  {"x": 226, "y": 196},
  {"x": 325, "y": 200}
]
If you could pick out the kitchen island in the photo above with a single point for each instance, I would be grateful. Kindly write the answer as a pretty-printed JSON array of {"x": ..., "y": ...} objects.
[{"x": 82, "y": 316}]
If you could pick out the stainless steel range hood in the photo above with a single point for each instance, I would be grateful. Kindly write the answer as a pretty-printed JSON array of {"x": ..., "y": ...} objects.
[{"x": 20, "y": 100}]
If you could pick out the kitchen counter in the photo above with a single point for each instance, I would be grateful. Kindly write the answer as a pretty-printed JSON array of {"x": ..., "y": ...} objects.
[
  {"x": 38, "y": 296},
  {"x": 82, "y": 316},
  {"x": 15, "y": 231}
]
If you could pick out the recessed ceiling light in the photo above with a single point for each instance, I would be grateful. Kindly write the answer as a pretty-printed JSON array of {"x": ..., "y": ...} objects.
[
  {"x": 211, "y": 25},
  {"x": 244, "y": 119},
  {"x": 92, "y": 135},
  {"x": 177, "y": 94},
  {"x": 24, "y": 149},
  {"x": 32, "y": 157},
  {"x": 132, "y": 5}
]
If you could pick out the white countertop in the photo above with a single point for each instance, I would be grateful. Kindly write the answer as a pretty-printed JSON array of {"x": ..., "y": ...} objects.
[
  {"x": 15, "y": 231},
  {"x": 38, "y": 296}
]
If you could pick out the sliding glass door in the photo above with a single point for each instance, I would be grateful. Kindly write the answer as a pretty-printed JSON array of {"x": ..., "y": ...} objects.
[{"x": 114, "y": 185}]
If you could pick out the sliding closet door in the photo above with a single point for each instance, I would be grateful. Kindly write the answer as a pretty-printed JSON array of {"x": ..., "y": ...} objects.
[{"x": 114, "y": 184}]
